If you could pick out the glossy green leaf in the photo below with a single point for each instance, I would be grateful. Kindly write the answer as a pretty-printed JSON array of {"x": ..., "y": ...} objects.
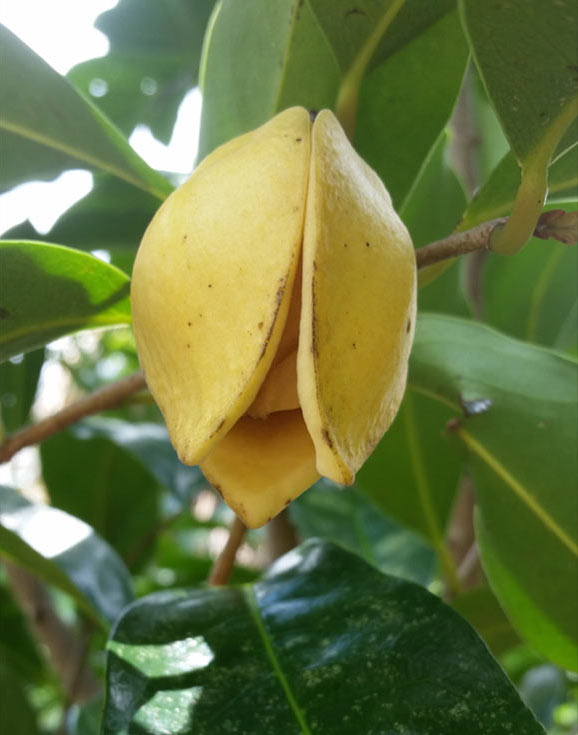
[
  {"x": 413, "y": 473},
  {"x": 62, "y": 550},
  {"x": 344, "y": 516},
  {"x": 324, "y": 644},
  {"x": 46, "y": 126},
  {"x": 112, "y": 216},
  {"x": 496, "y": 197},
  {"x": 517, "y": 406},
  {"x": 18, "y": 383},
  {"x": 408, "y": 98},
  {"x": 153, "y": 61},
  {"x": 536, "y": 102},
  {"x": 47, "y": 291},
  {"x": 98, "y": 481}
]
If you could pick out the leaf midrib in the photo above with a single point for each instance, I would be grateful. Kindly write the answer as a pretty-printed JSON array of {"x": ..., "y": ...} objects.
[{"x": 252, "y": 605}]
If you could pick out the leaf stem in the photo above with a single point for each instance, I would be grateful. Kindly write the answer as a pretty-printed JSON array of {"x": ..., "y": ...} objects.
[{"x": 225, "y": 562}]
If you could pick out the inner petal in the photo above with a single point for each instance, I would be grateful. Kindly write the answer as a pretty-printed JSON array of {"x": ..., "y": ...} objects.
[{"x": 262, "y": 465}]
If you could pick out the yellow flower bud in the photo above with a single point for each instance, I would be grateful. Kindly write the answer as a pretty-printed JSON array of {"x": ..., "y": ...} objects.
[{"x": 274, "y": 300}]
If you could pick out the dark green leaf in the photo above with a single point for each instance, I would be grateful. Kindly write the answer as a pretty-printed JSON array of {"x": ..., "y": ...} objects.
[
  {"x": 344, "y": 516},
  {"x": 18, "y": 382},
  {"x": 324, "y": 644},
  {"x": 46, "y": 126},
  {"x": 480, "y": 608},
  {"x": 407, "y": 99},
  {"x": 431, "y": 211},
  {"x": 150, "y": 445},
  {"x": 536, "y": 102},
  {"x": 47, "y": 291},
  {"x": 18, "y": 717},
  {"x": 528, "y": 97},
  {"x": 98, "y": 481},
  {"x": 18, "y": 649},
  {"x": 533, "y": 296},
  {"x": 153, "y": 61},
  {"x": 63, "y": 551},
  {"x": 519, "y": 424}
]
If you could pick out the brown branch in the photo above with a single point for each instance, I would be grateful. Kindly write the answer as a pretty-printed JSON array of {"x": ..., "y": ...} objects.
[
  {"x": 460, "y": 243},
  {"x": 224, "y": 563},
  {"x": 108, "y": 397}
]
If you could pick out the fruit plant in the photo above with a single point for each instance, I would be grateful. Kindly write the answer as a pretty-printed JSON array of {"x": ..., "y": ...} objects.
[{"x": 399, "y": 552}]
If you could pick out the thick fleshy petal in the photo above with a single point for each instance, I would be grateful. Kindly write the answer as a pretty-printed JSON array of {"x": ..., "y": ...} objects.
[
  {"x": 358, "y": 307},
  {"x": 262, "y": 465},
  {"x": 213, "y": 278}
]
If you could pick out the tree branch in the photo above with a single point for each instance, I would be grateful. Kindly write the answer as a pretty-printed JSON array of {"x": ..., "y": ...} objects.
[
  {"x": 224, "y": 563},
  {"x": 101, "y": 400},
  {"x": 460, "y": 243}
]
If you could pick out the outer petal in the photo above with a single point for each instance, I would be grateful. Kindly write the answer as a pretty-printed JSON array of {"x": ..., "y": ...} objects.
[
  {"x": 213, "y": 279},
  {"x": 262, "y": 465},
  {"x": 358, "y": 308}
]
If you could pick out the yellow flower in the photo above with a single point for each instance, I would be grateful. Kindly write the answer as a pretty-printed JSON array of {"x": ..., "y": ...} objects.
[{"x": 274, "y": 299}]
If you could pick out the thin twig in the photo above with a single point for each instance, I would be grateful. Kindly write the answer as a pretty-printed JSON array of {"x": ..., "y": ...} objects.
[
  {"x": 101, "y": 400},
  {"x": 478, "y": 238},
  {"x": 225, "y": 562}
]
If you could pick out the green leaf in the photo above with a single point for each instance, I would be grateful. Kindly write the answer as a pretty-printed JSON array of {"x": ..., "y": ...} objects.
[
  {"x": 258, "y": 57},
  {"x": 540, "y": 290},
  {"x": 324, "y": 644},
  {"x": 407, "y": 99},
  {"x": 413, "y": 473},
  {"x": 152, "y": 62},
  {"x": 18, "y": 717},
  {"x": 18, "y": 381},
  {"x": 18, "y": 650},
  {"x": 63, "y": 551},
  {"x": 257, "y": 60},
  {"x": 519, "y": 425},
  {"x": 150, "y": 445},
  {"x": 47, "y": 291},
  {"x": 431, "y": 210},
  {"x": 344, "y": 516},
  {"x": 496, "y": 197},
  {"x": 46, "y": 126},
  {"x": 536, "y": 102},
  {"x": 481, "y": 609},
  {"x": 98, "y": 481}
]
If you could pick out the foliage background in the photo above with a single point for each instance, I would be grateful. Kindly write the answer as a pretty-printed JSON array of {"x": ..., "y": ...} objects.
[{"x": 450, "y": 101}]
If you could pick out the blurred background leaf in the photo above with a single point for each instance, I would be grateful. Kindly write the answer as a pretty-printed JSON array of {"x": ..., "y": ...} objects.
[{"x": 151, "y": 64}]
